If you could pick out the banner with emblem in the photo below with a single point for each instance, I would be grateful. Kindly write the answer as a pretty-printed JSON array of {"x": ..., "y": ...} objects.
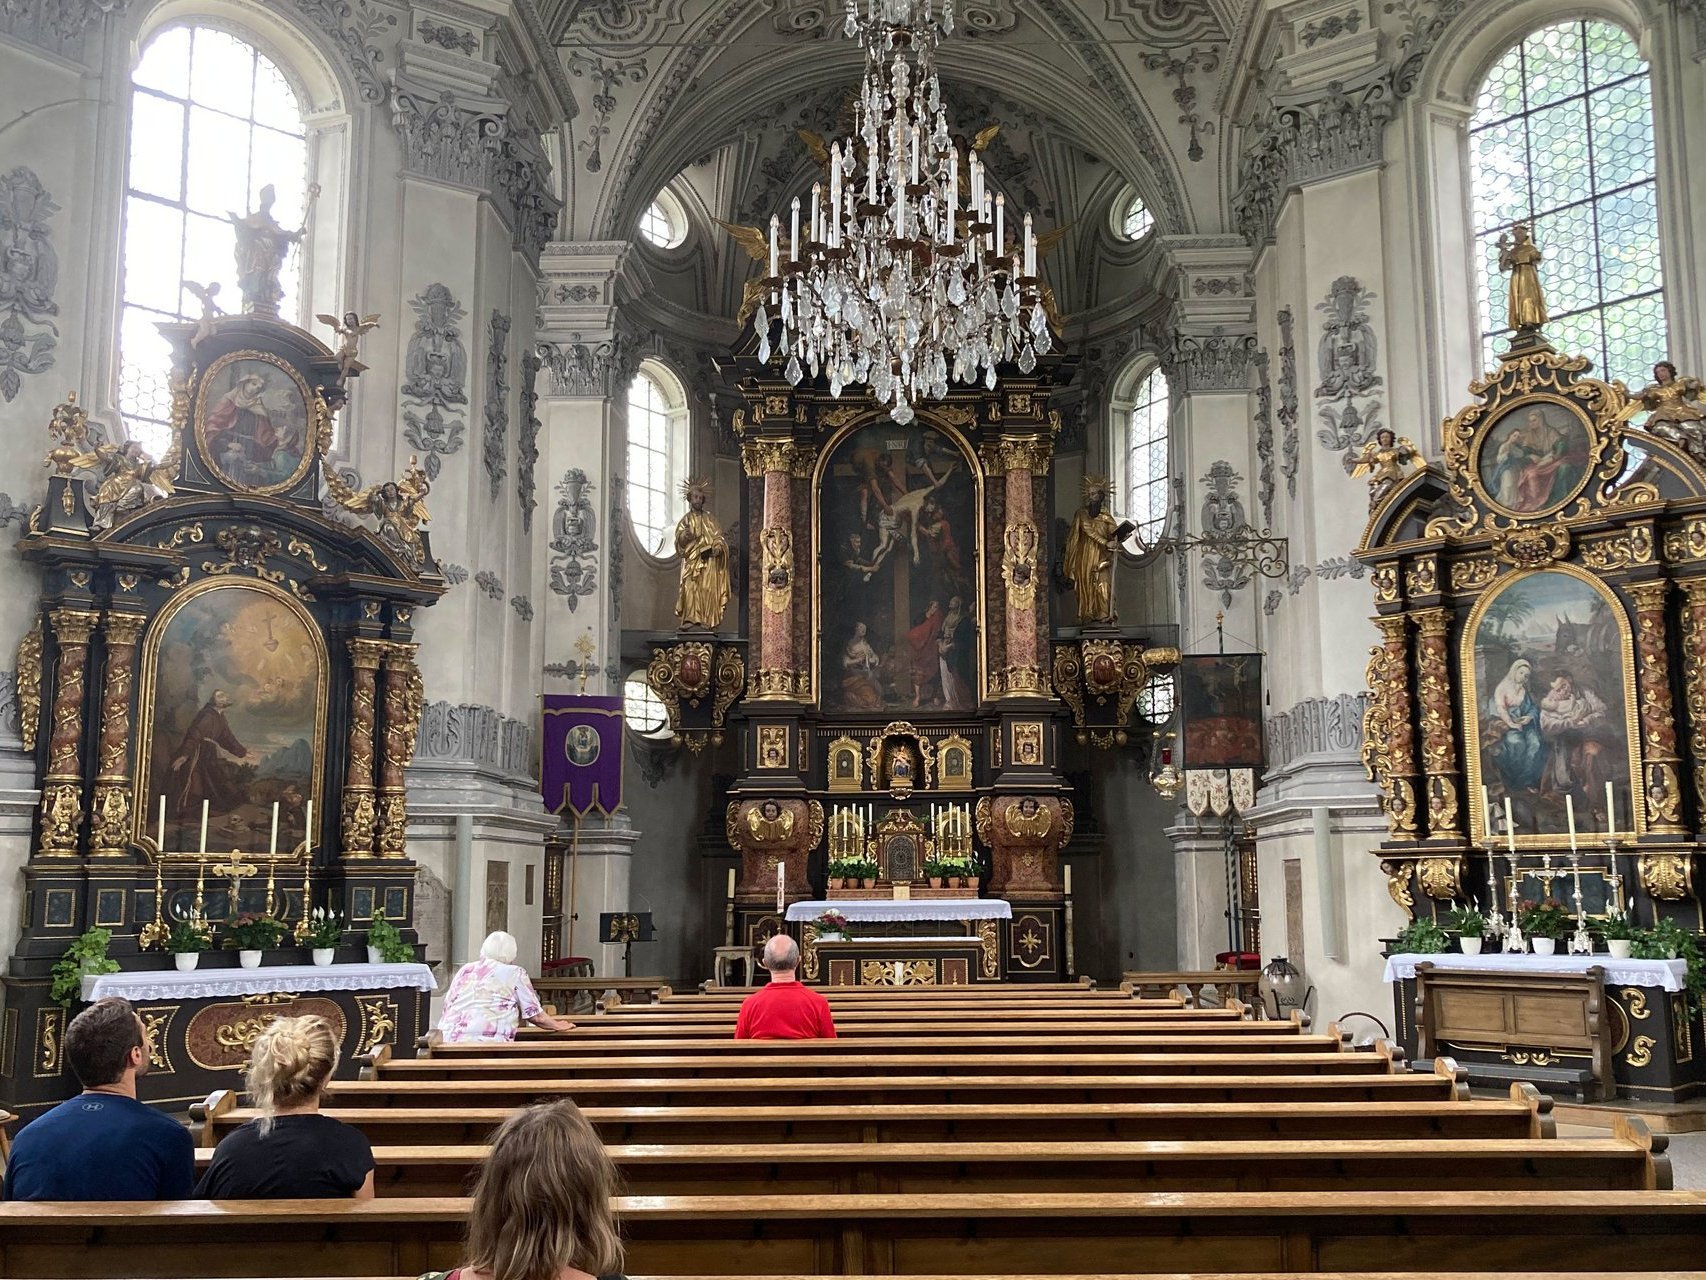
[{"x": 580, "y": 756}]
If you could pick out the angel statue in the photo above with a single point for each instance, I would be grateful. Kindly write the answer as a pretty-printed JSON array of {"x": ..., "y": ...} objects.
[
  {"x": 399, "y": 507},
  {"x": 210, "y": 310},
  {"x": 1525, "y": 305},
  {"x": 261, "y": 246},
  {"x": 130, "y": 479},
  {"x": 757, "y": 247},
  {"x": 1383, "y": 460},
  {"x": 1675, "y": 412},
  {"x": 349, "y": 331}
]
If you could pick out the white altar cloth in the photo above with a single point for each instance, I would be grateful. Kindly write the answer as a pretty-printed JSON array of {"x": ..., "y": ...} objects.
[
  {"x": 879, "y": 910},
  {"x": 198, "y": 984},
  {"x": 1669, "y": 974}
]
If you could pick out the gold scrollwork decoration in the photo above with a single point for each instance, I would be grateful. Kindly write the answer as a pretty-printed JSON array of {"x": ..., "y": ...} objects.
[
  {"x": 1631, "y": 546},
  {"x": 1687, "y": 543},
  {"x": 1669, "y": 877},
  {"x": 1641, "y": 1052},
  {"x": 990, "y": 937},
  {"x": 159, "y": 1024},
  {"x": 1385, "y": 579},
  {"x": 28, "y": 686},
  {"x": 1422, "y": 577},
  {"x": 1440, "y": 878},
  {"x": 1398, "y": 885},
  {"x": 1530, "y": 546},
  {"x": 1472, "y": 574},
  {"x": 897, "y": 973},
  {"x": 378, "y": 1022},
  {"x": 1019, "y": 563},
  {"x": 1638, "y": 1011}
]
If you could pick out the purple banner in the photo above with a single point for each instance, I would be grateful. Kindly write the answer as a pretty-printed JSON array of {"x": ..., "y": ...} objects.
[{"x": 581, "y": 754}]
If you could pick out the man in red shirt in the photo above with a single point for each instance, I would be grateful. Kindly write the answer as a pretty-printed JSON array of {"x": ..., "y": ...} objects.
[{"x": 787, "y": 1009}]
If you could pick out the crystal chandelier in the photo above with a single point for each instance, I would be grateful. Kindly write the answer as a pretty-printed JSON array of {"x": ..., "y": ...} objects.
[{"x": 905, "y": 277}]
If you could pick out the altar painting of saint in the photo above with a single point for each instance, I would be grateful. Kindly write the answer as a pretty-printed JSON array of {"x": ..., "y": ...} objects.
[
  {"x": 898, "y": 611},
  {"x": 253, "y": 424},
  {"x": 1221, "y": 710},
  {"x": 233, "y": 714},
  {"x": 1534, "y": 458},
  {"x": 1549, "y": 704}
]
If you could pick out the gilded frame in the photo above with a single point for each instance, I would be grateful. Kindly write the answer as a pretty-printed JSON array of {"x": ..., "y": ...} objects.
[
  {"x": 143, "y": 732},
  {"x": 855, "y": 781},
  {"x": 1592, "y": 437},
  {"x": 297, "y": 381},
  {"x": 874, "y": 417},
  {"x": 1469, "y": 709}
]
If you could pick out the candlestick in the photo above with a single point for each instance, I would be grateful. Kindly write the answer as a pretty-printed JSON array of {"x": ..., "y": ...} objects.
[
  {"x": 308, "y": 826},
  {"x": 204, "y": 828},
  {"x": 272, "y": 845},
  {"x": 781, "y": 889}
]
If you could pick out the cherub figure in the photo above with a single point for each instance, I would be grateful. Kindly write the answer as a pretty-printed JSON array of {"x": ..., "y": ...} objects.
[
  {"x": 398, "y": 506},
  {"x": 1383, "y": 460},
  {"x": 349, "y": 331},
  {"x": 210, "y": 310}
]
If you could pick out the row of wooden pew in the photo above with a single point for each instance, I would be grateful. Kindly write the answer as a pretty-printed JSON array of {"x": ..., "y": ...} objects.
[{"x": 998, "y": 1132}]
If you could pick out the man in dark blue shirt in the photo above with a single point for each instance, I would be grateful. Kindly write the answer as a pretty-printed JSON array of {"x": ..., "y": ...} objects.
[{"x": 103, "y": 1144}]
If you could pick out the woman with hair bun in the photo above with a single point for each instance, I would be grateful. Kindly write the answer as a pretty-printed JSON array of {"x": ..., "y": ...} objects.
[
  {"x": 491, "y": 997},
  {"x": 541, "y": 1209},
  {"x": 291, "y": 1151}
]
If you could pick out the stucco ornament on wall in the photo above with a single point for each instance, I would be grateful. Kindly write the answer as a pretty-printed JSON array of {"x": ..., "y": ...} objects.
[
  {"x": 29, "y": 272},
  {"x": 574, "y": 550}
]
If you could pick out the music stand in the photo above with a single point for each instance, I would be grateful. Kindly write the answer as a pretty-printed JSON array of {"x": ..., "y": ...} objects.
[{"x": 623, "y": 929}]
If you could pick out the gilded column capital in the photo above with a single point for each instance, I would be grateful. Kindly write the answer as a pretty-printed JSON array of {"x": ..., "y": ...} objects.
[
  {"x": 1018, "y": 453},
  {"x": 73, "y": 626},
  {"x": 366, "y": 654},
  {"x": 764, "y": 455},
  {"x": 124, "y": 628}
]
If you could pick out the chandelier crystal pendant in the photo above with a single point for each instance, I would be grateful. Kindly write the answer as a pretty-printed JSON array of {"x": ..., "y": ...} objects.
[{"x": 905, "y": 279}]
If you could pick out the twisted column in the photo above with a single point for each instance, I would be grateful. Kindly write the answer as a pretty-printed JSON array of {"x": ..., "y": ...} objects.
[
  {"x": 1661, "y": 781},
  {"x": 359, "y": 816},
  {"x": 1439, "y": 745},
  {"x": 403, "y": 701},
  {"x": 1694, "y": 680},
  {"x": 62, "y": 785},
  {"x": 111, "y": 817},
  {"x": 1388, "y": 742}
]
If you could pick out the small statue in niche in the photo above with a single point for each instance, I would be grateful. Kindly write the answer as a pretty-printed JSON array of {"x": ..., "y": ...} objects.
[
  {"x": 399, "y": 507},
  {"x": 1384, "y": 460},
  {"x": 704, "y": 553},
  {"x": 1675, "y": 412},
  {"x": 898, "y": 769},
  {"x": 349, "y": 333},
  {"x": 261, "y": 246},
  {"x": 1525, "y": 304},
  {"x": 1092, "y": 545}
]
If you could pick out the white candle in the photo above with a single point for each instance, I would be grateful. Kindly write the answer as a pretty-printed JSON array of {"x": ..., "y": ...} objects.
[
  {"x": 731, "y": 882},
  {"x": 1030, "y": 248},
  {"x": 1510, "y": 828},
  {"x": 1487, "y": 809},
  {"x": 204, "y": 827},
  {"x": 1570, "y": 814},
  {"x": 272, "y": 847},
  {"x": 162, "y": 840},
  {"x": 794, "y": 231},
  {"x": 308, "y": 827},
  {"x": 1000, "y": 224},
  {"x": 1068, "y": 870},
  {"x": 775, "y": 225},
  {"x": 1610, "y": 811}
]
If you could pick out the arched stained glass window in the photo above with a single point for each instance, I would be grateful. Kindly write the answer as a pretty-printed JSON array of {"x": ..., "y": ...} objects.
[
  {"x": 657, "y": 456},
  {"x": 1563, "y": 137},
  {"x": 212, "y": 121},
  {"x": 1147, "y": 467}
]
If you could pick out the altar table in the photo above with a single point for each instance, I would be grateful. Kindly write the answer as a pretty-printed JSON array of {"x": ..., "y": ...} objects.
[{"x": 896, "y": 955}]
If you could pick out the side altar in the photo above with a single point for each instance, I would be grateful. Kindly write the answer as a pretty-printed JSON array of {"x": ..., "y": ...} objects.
[
  {"x": 222, "y": 696},
  {"x": 1537, "y": 707}
]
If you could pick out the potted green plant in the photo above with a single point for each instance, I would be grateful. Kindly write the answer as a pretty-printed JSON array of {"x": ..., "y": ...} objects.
[
  {"x": 325, "y": 930},
  {"x": 1471, "y": 927},
  {"x": 186, "y": 941},
  {"x": 935, "y": 871},
  {"x": 1543, "y": 923},
  {"x": 838, "y": 872},
  {"x": 1667, "y": 940},
  {"x": 87, "y": 955},
  {"x": 1619, "y": 932},
  {"x": 1420, "y": 938},
  {"x": 832, "y": 926},
  {"x": 865, "y": 870},
  {"x": 385, "y": 944},
  {"x": 251, "y": 933}
]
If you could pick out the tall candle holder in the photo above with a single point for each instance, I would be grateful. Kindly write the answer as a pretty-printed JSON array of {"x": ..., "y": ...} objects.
[
  {"x": 1514, "y": 941},
  {"x": 1581, "y": 941},
  {"x": 1614, "y": 877},
  {"x": 1496, "y": 920},
  {"x": 155, "y": 932}
]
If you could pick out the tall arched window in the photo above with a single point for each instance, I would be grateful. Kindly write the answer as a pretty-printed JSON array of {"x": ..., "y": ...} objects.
[
  {"x": 1563, "y": 137},
  {"x": 212, "y": 121},
  {"x": 1143, "y": 416},
  {"x": 657, "y": 455}
]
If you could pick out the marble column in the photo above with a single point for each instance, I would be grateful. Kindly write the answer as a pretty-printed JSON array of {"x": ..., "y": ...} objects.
[
  {"x": 359, "y": 815},
  {"x": 111, "y": 817},
  {"x": 62, "y": 785},
  {"x": 782, "y": 672},
  {"x": 1658, "y": 719},
  {"x": 1017, "y": 461}
]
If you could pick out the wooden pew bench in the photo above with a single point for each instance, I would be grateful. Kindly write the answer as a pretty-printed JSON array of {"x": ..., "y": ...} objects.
[
  {"x": 1167, "y": 1061},
  {"x": 568, "y": 1044},
  {"x": 847, "y": 1027},
  {"x": 948, "y": 1235},
  {"x": 1526, "y": 1115},
  {"x": 1632, "y": 1160}
]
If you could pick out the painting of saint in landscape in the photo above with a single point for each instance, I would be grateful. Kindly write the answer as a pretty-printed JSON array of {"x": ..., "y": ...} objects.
[
  {"x": 237, "y": 704},
  {"x": 1221, "y": 710},
  {"x": 899, "y": 604},
  {"x": 1551, "y": 709},
  {"x": 1534, "y": 457},
  {"x": 254, "y": 424}
]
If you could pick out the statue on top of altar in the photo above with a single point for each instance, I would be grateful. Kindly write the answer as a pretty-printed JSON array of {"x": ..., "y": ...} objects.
[
  {"x": 1675, "y": 412},
  {"x": 1092, "y": 545},
  {"x": 261, "y": 246},
  {"x": 1384, "y": 461},
  {"x": 704, "y": 553},
  {"x": 1525, "y": 304}
]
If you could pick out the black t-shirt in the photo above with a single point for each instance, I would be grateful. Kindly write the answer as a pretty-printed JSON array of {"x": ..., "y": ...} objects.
[{"x": 303, "y": 1157}]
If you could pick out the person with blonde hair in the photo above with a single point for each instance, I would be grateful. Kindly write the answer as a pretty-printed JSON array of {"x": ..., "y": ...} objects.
[
  {"x": 291, "y": 1151},
  {"x": 541, "y": 1209},
  {"x": 491, "y": 997}
]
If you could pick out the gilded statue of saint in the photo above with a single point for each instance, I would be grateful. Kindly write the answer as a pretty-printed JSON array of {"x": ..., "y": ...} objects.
[
  {"x": 704, "y": 556},
  {"x": 1675, "y": 412},
  {"x": 1091, "y": 548},
  {"x": 1526, "y": 305},
  {"x": 1383, "y": 460}
]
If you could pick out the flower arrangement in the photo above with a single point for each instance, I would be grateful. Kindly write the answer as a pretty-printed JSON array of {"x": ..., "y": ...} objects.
[
  {"x": 1617, "y": 927},
  {"x": 1546, "y": 919},
  {"x": 834, "y": 922},
  {"x": 1422, "y": 938},
  {"x": 383, "y": 937},
  {"x": 189, "y": 937},
  {"x": 254, "y": 931},
  {"x": 87, "y": 955},
  {"x": 325, "y": 929},
  {"x": 1467, "y": 921}
]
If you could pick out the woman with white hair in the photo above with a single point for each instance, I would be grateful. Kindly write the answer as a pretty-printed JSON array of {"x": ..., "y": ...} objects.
[{"x": 491, "y": 997}]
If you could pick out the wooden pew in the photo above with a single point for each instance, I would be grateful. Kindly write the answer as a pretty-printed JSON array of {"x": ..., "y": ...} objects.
[
  {"x": 1163, "y": 1061},
  {"x": 569, "y": 1045},
  {"x": 1241, "y": 983},
  {"x": 848, "y": 1022},
  {"x": 1130, "y": 1233},
  {"x": 847, "y": 1026},
  {"x": 1528, "y": 1114},
  {"x": 1631, "y": 1160}
]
